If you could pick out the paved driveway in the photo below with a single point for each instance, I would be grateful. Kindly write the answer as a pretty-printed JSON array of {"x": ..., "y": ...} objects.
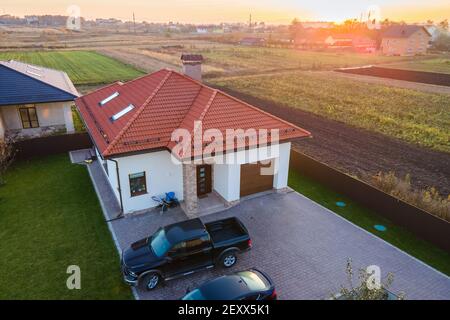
[{"x": 301, "y": 245}]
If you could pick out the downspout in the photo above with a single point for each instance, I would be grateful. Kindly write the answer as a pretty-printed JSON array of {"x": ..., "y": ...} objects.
[{"x": 118, "y": 184}]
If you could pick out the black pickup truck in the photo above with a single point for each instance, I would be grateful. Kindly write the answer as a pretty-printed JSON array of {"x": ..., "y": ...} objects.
[{"x": 183, "y": 248}]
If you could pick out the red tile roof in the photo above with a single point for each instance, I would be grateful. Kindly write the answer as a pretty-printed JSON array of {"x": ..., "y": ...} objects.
[{"x": 164, "y": 101}]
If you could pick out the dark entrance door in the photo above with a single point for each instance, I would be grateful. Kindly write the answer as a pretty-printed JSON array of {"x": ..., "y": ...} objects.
[{"x": 203, "y": 179}]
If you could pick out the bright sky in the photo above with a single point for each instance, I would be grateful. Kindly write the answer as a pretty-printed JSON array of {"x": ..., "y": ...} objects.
[{"x": 214, "y": 11}]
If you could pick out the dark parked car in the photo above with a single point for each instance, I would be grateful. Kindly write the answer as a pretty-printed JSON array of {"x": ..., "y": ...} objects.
[
  {"x": 245, "y": 285},
  {"x": 184, "y": 248}
]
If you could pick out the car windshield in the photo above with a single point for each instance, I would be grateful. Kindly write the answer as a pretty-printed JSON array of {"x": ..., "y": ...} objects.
[
  {"x": 195, "y": 294},
  {"x": 254, "y": 281},
  {"x": 159, "y": 243}
]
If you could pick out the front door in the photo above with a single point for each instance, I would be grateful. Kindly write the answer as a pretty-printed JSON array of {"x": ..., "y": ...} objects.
[{"x": 203, "y": 179}]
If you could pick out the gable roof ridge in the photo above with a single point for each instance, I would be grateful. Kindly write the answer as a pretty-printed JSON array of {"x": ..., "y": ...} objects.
[
  {"x": 264, "y": 112},
  {"x": 40, "y": 81},
  {"x": 138, "y": 112}
]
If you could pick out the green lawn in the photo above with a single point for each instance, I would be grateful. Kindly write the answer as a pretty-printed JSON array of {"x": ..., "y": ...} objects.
[
  {"x": 77, "y": 122},
  {"x": 83, "y": 67},
  {"x": 50, "y": 219},
  {"x": 416, "y": 117},
  {"x": 366, "y": 219}
]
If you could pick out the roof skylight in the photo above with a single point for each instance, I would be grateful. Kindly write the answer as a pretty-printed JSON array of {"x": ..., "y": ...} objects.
[
  {"x": 108, "y": 99},
  {"x": 122, "y": 113}
]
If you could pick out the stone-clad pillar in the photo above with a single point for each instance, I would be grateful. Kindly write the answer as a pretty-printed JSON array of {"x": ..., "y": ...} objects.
[{"x": 190, "y": 189}]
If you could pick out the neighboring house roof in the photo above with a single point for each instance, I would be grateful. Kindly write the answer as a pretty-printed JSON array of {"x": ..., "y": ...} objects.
[
  {"x": 402, "y": 31},
  {"x": 162, "y": 102},
  {"x": 22, "y": 83}
]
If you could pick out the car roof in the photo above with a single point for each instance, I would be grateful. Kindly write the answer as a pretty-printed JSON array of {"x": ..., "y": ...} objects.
[
  {"x": 185, "y": 230},
  {"x": 224, "y": 288}
]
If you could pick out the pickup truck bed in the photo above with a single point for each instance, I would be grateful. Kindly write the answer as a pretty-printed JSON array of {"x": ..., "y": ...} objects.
[{"x": 228, "y": 230}]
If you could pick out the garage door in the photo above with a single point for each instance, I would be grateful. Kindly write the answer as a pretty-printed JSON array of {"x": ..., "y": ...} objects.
[{"x": 252, "y": 181}]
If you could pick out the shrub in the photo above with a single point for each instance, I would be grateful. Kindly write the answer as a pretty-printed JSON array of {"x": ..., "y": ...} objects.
[
  {"x": 362, "y": 291},
  {"x": 429, "y": 199},
  {"x": 6, "y": 158}
]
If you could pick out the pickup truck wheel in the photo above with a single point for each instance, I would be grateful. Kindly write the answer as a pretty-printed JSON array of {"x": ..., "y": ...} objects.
[
  {"x": 150, "y": 281},
  {"x": 229, "y": 259}
]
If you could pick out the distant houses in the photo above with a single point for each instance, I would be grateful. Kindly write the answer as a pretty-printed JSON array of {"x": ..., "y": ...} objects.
[
  {"x": 252, "y": 41},
  {"x": 405, "y": 40},
  {"x": 357, "y": 43},
  {"x": 318, "y": 39}
]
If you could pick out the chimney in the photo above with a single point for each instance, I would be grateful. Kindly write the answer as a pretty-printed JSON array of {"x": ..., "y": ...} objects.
[{"x": 192, "y": 65}]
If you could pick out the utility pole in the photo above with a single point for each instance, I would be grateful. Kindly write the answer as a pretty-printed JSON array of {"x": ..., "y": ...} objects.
[
  {"x": 250, "y": 21},
  {"x": 134, "y": 24}
]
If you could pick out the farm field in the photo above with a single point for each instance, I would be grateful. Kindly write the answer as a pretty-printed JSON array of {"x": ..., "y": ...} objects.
[
  {"x": 438, "y": 64},
  {"x": 416, "y": 117},
  {"x": 224, "y": 59},
  {"x": 83, "y": 67}
]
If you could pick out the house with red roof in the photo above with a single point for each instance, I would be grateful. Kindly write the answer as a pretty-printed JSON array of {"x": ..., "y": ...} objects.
[{"x": 169, "y": 132}]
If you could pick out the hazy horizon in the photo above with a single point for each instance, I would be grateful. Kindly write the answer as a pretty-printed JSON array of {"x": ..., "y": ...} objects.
[{"x": 215, "y": 11}]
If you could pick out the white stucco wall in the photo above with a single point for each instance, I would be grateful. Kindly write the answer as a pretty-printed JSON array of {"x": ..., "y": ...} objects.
[
  {"x": 227, "y": 176},
  {"x": 280, "y": 179},
  {"x": 49, "y": 114},
  {"x": 227, "y": 180},
  {"x": 111, "y": 173},
  {"x": 162, "y": 175}
]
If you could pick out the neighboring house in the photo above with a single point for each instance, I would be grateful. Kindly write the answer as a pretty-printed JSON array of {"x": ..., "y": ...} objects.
[
  {"x": 34, "y": 101},
  {"x": 405, "y": 40},
  {"x": 131, "y": 126},
  {"x": 252, "y": 41}
]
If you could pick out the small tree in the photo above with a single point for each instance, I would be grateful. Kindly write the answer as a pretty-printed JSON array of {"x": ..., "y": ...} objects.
[
  {"x": 444, "y": 24},
  {"x": 362, "y": 291},
  {"x": 6, "y": 158}
]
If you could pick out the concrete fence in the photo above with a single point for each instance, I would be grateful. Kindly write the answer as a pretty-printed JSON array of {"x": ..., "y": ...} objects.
[{"x": 421, "y": 223}]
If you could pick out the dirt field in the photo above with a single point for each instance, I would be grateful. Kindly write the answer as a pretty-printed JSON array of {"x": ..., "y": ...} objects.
[{"x": 361, "y": 152}]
